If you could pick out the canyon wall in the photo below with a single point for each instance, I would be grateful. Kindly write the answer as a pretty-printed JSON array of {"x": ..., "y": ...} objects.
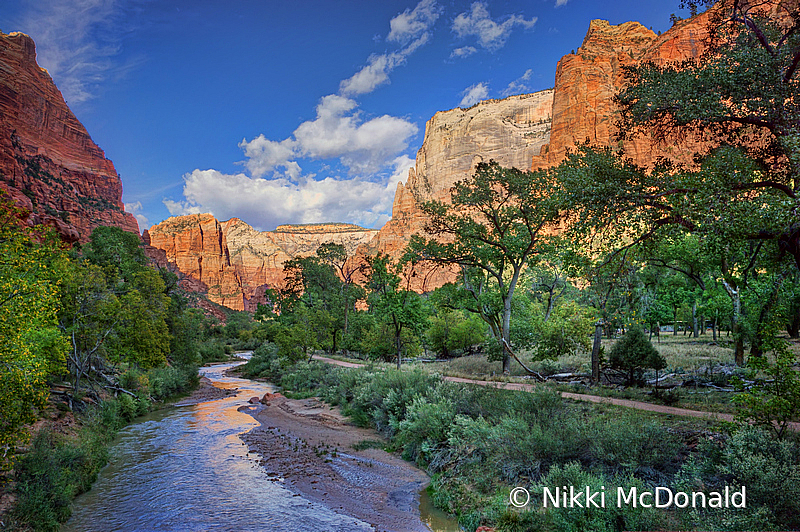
[
  {"x": 234, "y": 263},
  {"x": 49, "y": 164},
  {"x": 510, "y": 131}
]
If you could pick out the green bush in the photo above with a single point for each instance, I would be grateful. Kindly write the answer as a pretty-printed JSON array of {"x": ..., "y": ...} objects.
[
  {"x": 57, "y": 469},
  {"x": 385, "y": 398},
  {"x": 625, "y": 443},
  {"x": 212, "y": 351},
  {"x": 169, "y": 381},
  {"x": 633, "y": 353},
  {"x": 769, "y": 468},
  {"x": 604, "y": 519}
]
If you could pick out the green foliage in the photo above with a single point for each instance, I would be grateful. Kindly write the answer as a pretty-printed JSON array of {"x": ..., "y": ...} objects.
[
  {"x": 401, "y": 310},
  {"x": 494, "y": 228},
  {"x": 566, "y": 331},
  {"x": 774, "y": 400},
  {"x": 31, "y": 347},
  {"x": 453, "y": 332},
  {"x": 769, "y": 470},
  {"x": 57, "y": 468},
  {"x": 610, "y": 518},
  {"x": 633, "y": 353}
]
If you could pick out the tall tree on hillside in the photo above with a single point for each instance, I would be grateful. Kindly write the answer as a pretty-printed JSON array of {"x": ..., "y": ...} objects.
[{"x": 497, "y": 224}]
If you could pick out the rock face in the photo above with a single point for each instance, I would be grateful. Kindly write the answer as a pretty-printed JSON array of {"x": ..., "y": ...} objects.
[
  {"x": 49, "y": 164},
  {"x": 232, "y": 262},
  {"x": 586, "y": 82},
  {"x": 510, "y": 131},
  {"x": 536, "y": 130}
]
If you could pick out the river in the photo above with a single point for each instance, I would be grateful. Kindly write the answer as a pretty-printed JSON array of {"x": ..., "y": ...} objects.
[{"x": 186, "y": 468}]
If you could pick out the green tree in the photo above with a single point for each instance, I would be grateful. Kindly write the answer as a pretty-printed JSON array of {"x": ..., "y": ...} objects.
[
  {"x": 633, "y": 353},
  {"x": 400, "y": 309},
  {"x": 497, "y": 224},
  {"x": 31, "y": 347},
  {"x": 743, "y": 92}
]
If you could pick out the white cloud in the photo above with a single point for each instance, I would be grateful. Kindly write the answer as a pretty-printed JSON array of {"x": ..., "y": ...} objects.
[
  {"x": 464, "y": 51},
  {"x": 337, "y": 132},
  {"x": 518, "y": 86},
  {"x": 560, "y": 3},
  {"x": 410, "y": 25},
  {"x": 135, "y": 208},
  {"x": 376, "y": 72},
  {"x": 491, "y": 35},
  {"x": 77, "y": 41},
  {"x": 266, "y": 203},
  {"x": 265, "y": 155},
  {"x": 276, "y": 191},
  {"x": 474, "y": 94}
]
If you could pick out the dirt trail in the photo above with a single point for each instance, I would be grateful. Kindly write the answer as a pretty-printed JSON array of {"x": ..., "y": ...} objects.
[{"x": 638, "y": 405}]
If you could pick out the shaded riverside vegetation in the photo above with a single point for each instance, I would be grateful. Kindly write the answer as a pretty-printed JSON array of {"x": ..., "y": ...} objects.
[
  {"x": 89, "y": 339},
  {"x": 478, "y": 443}
]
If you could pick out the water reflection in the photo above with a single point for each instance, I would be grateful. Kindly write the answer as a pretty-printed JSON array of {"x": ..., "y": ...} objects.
[{"x": 185, "y": 468}]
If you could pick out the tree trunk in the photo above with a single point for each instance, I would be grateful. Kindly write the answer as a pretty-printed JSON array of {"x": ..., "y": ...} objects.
[
  {"x": 598, "y": 335},
  {"x": 695, "y": 330},
  {"x": 714, "y": 329},
  {"x": 736, "y": 319},
  {"x": 506, "y": 332},
  {"x": 397, "y": 346},
  {"x": 675, "y": 322}
]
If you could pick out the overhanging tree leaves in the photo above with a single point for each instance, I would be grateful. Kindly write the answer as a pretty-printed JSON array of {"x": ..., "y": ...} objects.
[
  {"x": 497, "y": 224},
  {"x": 744, "y": 93}
]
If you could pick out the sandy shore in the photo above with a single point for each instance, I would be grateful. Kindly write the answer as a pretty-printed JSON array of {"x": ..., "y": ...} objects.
[{"x": 309, "y": 445}]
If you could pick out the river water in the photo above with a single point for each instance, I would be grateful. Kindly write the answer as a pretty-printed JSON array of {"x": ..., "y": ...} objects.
[{"x": 186, "y": 468}]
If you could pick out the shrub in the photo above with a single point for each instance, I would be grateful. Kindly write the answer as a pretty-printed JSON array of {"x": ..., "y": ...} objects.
[
  {"x": 385, "y": 397},
  {"x": 610, "y": 518},
  {"x": 769, "y": 468},
  {"x": 56, "y": 470},
  {"x": 633, "y": 353},
  {"x": 212, "y": 351}
]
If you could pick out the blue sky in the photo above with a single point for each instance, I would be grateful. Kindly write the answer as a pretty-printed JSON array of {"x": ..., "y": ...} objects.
[{"x": 291, "y": 111}]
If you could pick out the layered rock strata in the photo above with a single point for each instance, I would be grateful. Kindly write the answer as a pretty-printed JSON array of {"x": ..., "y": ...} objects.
[
  {"x": 49, "y": 164},
  {"x": 234, "y": 263}
]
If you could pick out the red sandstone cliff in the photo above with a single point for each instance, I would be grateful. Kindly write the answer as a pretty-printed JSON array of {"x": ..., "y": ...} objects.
[
  {"x": 232, "y": 262},
  {"x": 541, "y": 126},
  {"x": 586, "y": 82},
  {"x": 49, "y": 164}
]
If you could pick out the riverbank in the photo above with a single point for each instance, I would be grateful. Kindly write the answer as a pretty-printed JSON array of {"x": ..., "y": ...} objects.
[{"x": 324, "y": 458}]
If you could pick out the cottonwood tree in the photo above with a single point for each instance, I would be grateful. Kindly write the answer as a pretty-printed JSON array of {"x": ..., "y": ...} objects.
[
  {"x": 392, "y": 301},
  {"x": 498, "y": 222},
  {"x": 740, "y": 198}
]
